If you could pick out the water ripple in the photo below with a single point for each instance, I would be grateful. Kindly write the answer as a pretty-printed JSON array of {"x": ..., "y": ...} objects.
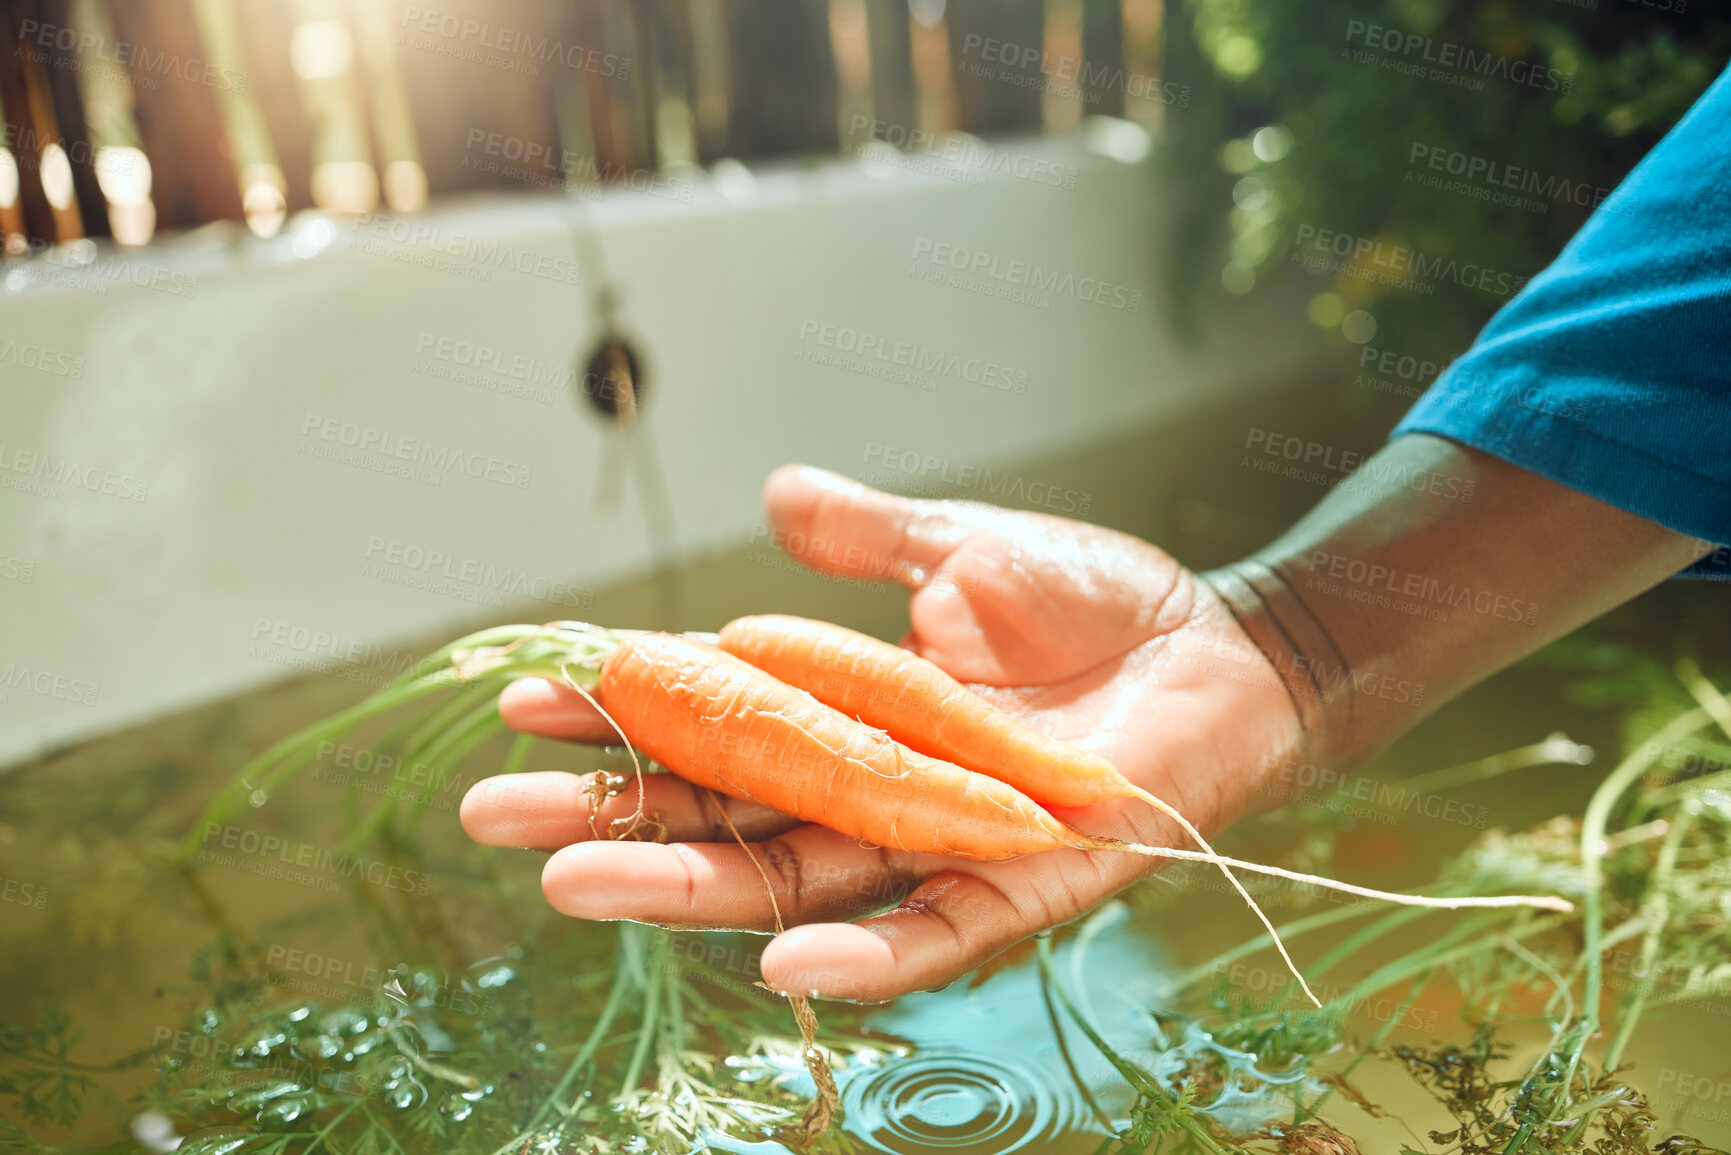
[{"x": 955, "y": 1101}]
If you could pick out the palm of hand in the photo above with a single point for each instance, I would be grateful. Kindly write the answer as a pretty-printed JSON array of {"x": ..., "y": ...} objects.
[{"x": 1089, "y": 635}]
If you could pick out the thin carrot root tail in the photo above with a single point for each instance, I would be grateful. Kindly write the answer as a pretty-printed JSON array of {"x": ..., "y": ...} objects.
[
  {"x": 824, "y": 1105},
  {"x": 1447, "y": 902},
  {"x": 632, "y": 821},
  {"x": 1171, "y": 812},
  {"x": 827, "y": 1101}
]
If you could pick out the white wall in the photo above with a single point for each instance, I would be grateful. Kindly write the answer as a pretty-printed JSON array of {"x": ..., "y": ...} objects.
[{"x": 201, "y": 382}]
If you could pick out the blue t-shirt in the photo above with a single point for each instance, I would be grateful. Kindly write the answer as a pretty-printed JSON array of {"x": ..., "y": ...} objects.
[{"x": 1610, "y": 372}]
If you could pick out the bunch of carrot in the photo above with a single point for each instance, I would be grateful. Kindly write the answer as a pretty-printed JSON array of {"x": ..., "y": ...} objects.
[
  {"x": 836, "y": 727},
  {"x": 806, "y": 717},
  {"x": 821, "y": 723}
]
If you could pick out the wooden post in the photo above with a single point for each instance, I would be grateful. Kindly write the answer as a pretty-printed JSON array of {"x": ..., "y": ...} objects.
[
  {"x": 994, "y": 97},
  {"x": 68, "y": 104},
  {"x": 193, "y": 177},
  {"x": 894, "y": 98},
  {"x": 1102, "y": 76},
  {"x": 709, "y": 53},
  {"x": 265, "y": 29},
  {"x": 782, "y": 87},
  {"x": 30, "y": 125},
  {"x": 675, "y": 74},
  {"x": 480, "y": 72},
  {"x": 366, "y": 96},
  {"x": 621, "y": 106}
]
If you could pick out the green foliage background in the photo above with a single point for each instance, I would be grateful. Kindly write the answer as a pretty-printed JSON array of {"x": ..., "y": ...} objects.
[{"x": 1635, "y": 66}]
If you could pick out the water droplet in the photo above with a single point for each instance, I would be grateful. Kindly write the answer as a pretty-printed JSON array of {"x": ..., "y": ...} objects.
[
  {"x": 214, "y": 1141},
  {"x": 497, "y": 977},
  {"x": 456, "y": 1108},
  {"x": 266, "y": 1044},
  {"x": 257, "y": 1097},
  {"x": 321, "y": 1046},
  {"x": 346, "y": 1021},
  {"x": 364, "y": 1045},
  {"x": 405, "y": 1095},
  {"x": 155, "y": 1131},
  {"x": 285, "y": 1110}
]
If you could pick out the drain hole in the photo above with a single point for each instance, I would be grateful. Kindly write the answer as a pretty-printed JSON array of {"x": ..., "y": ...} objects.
[{"x": 613, "y": 380}]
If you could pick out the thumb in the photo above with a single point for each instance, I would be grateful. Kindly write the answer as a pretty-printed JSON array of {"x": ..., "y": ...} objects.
[{"x": 840, "y": 526}]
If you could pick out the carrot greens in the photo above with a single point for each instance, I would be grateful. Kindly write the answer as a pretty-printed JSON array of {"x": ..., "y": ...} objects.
[{"x": 1552, "y": 999}]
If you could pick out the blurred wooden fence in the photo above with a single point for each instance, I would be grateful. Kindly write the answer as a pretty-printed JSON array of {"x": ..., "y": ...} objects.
[{"x": 250, "y": 110}]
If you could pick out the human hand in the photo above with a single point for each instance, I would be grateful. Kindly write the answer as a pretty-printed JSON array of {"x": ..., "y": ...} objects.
[{"x": 1089, "y": 635}]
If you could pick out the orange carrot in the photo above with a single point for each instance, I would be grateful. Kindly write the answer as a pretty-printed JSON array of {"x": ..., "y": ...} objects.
[
  {"x": 919, "y": 704},
  {"x": 722, "y": 723},
  {"x": 924, "y": 708}
]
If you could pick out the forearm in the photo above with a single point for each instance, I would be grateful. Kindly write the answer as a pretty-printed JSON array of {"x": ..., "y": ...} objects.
[{"x": 1429, "y": 569}]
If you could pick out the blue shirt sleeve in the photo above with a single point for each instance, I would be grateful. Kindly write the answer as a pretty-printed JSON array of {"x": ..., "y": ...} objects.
[{"x": 1610, "y": 372}]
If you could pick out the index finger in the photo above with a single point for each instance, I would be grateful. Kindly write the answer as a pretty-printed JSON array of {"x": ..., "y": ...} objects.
[
  {"x": 550, "y": 710},
  {"x": 550, "y": 809}
]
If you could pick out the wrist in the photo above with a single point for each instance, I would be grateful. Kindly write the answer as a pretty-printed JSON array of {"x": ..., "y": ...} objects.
[
  {"x": 1388, "y": 599},
  {"x": 1304, "y": 656}
]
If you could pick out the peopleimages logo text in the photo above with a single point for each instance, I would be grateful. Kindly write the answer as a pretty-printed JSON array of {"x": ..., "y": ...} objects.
[
  {"x": 868, "y": 346},
  {"x": 1496, "y": 177},
  {"x": 1093, "y": 77},
  {"x": 1446, "y": 54},
  {"x": 1327, "y": 251},
  {"x": 990, "y": 267},
  {"x": 969, "y": 152},
  {"x": 512, "y": 42},
  {"x": 1000, "y": 487},
  {"x": 37, "y": 38}
]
